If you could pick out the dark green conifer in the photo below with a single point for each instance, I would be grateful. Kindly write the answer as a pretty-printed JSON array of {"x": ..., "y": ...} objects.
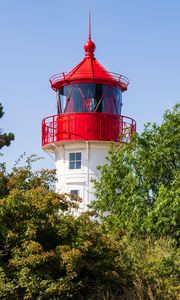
[{"x": 5, "y": 138}]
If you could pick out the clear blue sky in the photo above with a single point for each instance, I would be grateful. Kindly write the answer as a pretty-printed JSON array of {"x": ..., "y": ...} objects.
[{"x": 137, "y": 38}]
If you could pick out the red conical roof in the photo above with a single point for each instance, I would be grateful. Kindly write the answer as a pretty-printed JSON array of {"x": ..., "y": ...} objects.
[{"x": 89, "y": 70}]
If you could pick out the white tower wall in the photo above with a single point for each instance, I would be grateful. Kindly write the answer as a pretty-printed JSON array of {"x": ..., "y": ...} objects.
[{"x": 93, "y": 153}]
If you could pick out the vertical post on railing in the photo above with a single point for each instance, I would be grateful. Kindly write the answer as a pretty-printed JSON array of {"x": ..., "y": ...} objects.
[
  {"x": 120, "y": 125},
  {"x": 53, "y": 130},
  {"x": 42, "y": 133}
]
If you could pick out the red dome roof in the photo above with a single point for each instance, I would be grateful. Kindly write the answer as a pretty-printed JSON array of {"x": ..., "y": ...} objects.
[{"x": 89, "y": 70}]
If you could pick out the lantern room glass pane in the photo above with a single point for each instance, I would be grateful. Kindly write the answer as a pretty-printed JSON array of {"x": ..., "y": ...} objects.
[
  {"x": 63, "y": 102},
  {"x": 118, "y": 97},
  {"x": 74, "y": 103},
  {"x": 90, "y": 97},
  {"x": 109, "y": 101},
  {"x": 92, "y": 94},
  {"x": 64, "y": 94}
]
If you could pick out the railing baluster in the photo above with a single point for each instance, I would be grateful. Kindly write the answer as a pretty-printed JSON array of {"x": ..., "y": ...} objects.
[{"x": 53, "y": 129}]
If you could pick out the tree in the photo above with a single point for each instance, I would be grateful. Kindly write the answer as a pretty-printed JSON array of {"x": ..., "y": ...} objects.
[
  {"x": 154, "y": 267},
  {"x": 5, "y": 139},
  {"x": 45, "y": 252},
  {"x": 139, "y": 187}
]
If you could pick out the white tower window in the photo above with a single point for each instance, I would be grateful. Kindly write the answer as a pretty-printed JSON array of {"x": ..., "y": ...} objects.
[
  {"x": 75, "y": 160},
  {"x": 74, "y": 192}
]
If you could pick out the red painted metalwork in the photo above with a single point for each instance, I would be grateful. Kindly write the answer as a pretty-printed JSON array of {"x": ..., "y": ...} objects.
[
  {"x": 87, "y": 126},
  {"x": 84, "y": 75},
  {"x": 89, "y": 70}
]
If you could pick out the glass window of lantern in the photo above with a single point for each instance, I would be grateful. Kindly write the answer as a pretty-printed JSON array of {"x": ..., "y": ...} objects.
[
  {"x": 75, "y": 160},
  {"x": 64, "y": 94},
  {"x": 118, "y": 98},
  {"x": 90, "y": 97},
  {"x": 92, "y": 94},
  {"x": 108, "y": 100},
  {"x": 74, "y": 103}
]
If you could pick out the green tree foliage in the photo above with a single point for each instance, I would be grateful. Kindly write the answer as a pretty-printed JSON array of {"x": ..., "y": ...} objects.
[
  {"x": 5, "y": 139},
  {"x": 45, "y": 252},
  {"x": 139, "y": 189},
  {"x": 154, "y": 267}
]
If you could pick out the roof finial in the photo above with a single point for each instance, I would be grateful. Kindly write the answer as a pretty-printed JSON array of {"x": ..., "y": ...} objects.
[
  {"x": 89, "y": 26},
  {"x": 89, "y": 47}
]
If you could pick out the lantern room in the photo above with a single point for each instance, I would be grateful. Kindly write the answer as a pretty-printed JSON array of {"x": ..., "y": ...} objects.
[
  {"x": 89, "y": 104},
  {"x": 89, "y": 97}
]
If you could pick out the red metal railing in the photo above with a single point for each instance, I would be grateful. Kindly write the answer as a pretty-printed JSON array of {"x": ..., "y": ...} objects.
[
  {"x": 87, "y": 126},
  {"x": 121, "y": 79}
]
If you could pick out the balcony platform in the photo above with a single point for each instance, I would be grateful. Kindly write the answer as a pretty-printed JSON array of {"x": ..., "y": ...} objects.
[{"x": 88, "y": 127}]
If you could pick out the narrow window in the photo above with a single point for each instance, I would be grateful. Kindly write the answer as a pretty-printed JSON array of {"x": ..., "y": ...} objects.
[
  {"x": 75, "y": 160},
  {"x": 74, "y": 193}
]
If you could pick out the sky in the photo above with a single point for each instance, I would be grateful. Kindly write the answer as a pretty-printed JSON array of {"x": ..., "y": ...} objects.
[{"x": 39, "y": 38}]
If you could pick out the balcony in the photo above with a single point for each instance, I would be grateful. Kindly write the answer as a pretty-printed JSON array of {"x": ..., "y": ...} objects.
[{"x": 87, "y": 127}]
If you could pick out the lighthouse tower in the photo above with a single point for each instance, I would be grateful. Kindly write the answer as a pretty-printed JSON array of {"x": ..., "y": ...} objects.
[{"x": 88, "y": 119}]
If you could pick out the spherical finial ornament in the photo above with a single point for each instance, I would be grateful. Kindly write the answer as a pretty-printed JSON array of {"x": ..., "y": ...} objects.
[{"x": 89, "y": 48}]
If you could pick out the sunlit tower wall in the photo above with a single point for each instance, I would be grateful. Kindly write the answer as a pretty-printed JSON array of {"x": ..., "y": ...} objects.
[{"x": 88, "y": 119}]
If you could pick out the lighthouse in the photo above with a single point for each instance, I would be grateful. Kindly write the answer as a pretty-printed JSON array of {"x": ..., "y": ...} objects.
[{"x": 88, "y": 119}]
